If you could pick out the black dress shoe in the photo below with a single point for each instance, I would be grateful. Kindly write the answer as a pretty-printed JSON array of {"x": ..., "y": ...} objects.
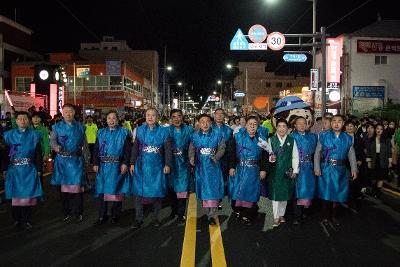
[
  {"x": 172, "y": 215},
  {"x": 246, "y": 221},
  {"x": 136, "y": 224},
  {"x": 28, "y": 226},
  {"x": 114, "y": 220},
  {"x": 67, "y": 218},
  {"x": 17, "y": 224},
  {"x": 156, "y": 223},
  {"x": 100, "y": 221},
  {"x": 181, "y": 220},
  {"x": 79, "y": 218},
  {"x": 211, "y": 221}
]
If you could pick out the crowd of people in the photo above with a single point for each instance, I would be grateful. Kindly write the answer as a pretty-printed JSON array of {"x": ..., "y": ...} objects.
[{"x": 152, "y": 158}]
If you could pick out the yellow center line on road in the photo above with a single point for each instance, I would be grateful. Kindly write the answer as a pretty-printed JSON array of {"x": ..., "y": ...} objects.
[
  {"x": 391, "y": 191},
  {"x": 189, "y": 242},
  {"x": 217, "y": 248}
]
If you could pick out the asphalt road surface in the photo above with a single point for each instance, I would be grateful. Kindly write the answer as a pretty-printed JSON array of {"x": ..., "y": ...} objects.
[{"x": 368, "y": 237}]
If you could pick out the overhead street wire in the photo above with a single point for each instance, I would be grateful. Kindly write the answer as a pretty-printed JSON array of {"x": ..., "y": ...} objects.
[{"x": 79, "y": 21}]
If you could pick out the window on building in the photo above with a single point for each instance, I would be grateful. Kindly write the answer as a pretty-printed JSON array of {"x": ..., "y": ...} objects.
[
  {"x": 114, "y": 48},
  {"x": 101, "y": 82},
  {"x": 289, "y": 84},
  {"x": 22, "y": 84},
  {"x": 115, "y": 82},
  {"x": 128, "y": 83},
  {"x": 268, "y": 84},
  {"x": 278, "y": 84},
  {"x": 380, "y": 60}
]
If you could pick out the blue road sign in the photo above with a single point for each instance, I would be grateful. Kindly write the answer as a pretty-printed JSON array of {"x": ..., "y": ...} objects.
[
  {"x": 239, "y": 41},
  {"x": 294, "y": 57},
  {"x": 368, "y": 91}
]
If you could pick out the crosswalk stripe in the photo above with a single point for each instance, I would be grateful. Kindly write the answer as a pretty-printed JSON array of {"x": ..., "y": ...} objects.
[
  {"x": 189, "y": 241},
  {"x": 217, "y": 248}
]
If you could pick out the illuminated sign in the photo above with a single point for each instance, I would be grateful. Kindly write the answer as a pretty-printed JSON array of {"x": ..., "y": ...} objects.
[
  {"x": 83, "y": 72},
  {"x": 239, "y": 93},
  {"x": 378, "y": 46},
  {"x": 295, "y": 57},
  {"x": 314, "y": 79},
  {"x": 333, "y": 55}
]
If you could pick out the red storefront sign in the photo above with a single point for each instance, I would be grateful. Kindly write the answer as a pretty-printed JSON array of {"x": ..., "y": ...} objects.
[{"x": 378, "y": 46}]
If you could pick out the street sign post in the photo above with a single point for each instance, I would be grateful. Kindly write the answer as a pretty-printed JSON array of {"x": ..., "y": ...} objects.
[
  {"x": 295, "y": 57},
  {"x": 276, "y": 41}
]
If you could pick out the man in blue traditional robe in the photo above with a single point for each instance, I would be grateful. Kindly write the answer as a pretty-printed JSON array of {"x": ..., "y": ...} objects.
[
  {"x": 305, "y": 182},
  {"x": 247, "y": 166},
  {"x": 22, "y": 170},
  {"x": 180, "y": 176},
  {"x": 333, "y": 182},
  {"x": 68, "y": 140},
  {"x": 151, "y": 159},
  {"x": 111, "y": 155},
  {"x": 205, "y": 151},
  {"x": 220, "y": 127}
]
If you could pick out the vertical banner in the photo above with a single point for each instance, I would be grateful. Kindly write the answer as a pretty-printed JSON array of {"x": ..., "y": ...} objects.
[
  {"x": 314, "y": 79},
  {"x": 53, "y": 99},
  {"x": 334, "y": 52}
]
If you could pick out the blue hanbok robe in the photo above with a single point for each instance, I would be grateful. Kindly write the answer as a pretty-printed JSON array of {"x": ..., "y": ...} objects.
[
  {"x": 109, "y": 179},
  {"x": 179, "y": 177},
  {"x": 209, "y": 180},
  {"x": 245, "y": 184},
  {"x": 149, "y": 180},
  {"x": 305, "y": 181},
  {"x": 333, "y": 184},
  {"x": 22, "y": 179},
  {"x": 69, "y": 167},
  {"x": 226, "y": 133}
]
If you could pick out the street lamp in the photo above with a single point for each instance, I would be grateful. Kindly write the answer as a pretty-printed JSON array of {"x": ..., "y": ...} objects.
[
  {"x": 230, "y": 66},
  {"x": 165, "y": 69}
]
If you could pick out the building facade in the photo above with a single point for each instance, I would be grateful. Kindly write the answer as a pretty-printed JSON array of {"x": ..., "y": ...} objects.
[
  {"x": 369, "y": 66},
  {"x": 91, "y": 85},
  {"x": 144, "y": 62},
  {"x": 263, "y": 88}
]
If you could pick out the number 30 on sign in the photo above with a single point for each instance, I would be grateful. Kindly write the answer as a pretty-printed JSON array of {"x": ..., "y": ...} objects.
[{"x": 276, "y": 41}]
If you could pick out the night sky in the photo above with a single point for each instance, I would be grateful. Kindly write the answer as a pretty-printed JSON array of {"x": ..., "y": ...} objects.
[{"x": 197, "y": 33}]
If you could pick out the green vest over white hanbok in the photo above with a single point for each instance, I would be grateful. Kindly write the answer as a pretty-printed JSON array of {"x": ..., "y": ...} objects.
[{"x": 280, "y": 186}]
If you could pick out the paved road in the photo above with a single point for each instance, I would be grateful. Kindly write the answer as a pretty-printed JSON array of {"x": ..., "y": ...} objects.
[{"x": 370, "y": 237}]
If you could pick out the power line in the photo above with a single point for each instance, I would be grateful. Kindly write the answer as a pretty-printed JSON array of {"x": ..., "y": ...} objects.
[
  {"x": 79, "y": 21},
  {"x": 348, "y": 14}
]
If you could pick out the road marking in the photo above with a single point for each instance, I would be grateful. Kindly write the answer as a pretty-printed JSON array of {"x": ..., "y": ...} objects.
[
  {"x": 391, "y": 191},
  {"x": 189, "y": 242},
  {"x": 217, "y": 248}
]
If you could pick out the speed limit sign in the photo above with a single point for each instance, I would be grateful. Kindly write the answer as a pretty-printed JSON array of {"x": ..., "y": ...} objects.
[{"x": 276, "y": 41}]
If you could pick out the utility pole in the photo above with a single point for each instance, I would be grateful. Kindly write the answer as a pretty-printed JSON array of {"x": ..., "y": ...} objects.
[
  {"x": 314, "y": 30},
  {"x": 164, "y": 73},
  {"x": 323, "y": 70}
]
